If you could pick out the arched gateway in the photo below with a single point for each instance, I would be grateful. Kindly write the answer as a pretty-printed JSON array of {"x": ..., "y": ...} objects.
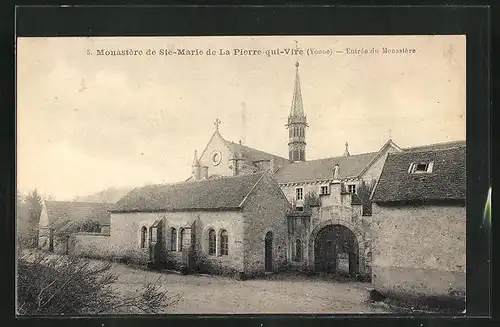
[{"x": 337, "y": 247}]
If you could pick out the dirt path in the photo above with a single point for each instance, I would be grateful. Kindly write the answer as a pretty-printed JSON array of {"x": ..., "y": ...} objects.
[{"x": 203, "y": 294}]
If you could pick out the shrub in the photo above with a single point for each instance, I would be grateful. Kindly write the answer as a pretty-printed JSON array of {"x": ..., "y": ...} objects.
[{"x": 53, "y": 285}]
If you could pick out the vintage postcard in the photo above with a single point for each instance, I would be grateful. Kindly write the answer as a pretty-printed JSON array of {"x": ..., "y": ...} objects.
[{"x": 231, "y": 175}]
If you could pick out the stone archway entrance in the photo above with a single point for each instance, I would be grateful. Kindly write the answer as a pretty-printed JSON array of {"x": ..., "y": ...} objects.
[{"x": 336, "y": 250}]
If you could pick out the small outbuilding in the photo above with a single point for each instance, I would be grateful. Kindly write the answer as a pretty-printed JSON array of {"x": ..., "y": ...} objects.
[
  {"x": 58, "y": 216},
  {"x": 419, "y": 224}
]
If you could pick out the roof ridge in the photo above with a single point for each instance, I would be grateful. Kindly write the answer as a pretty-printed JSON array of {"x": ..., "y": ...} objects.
[
  {"x": 336, "y": 157},
  {"x": 80, "y": 202},
  {"x": 254, "y": 149},
  {"x": 431, "y": 150},
  {"x": 433, "y": 144},
  {"x": 251, "y": 190},
  {"x": 197, "y": 181}
]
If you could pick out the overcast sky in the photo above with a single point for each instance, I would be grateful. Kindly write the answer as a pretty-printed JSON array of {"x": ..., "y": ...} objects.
[{"x": 89, "y": 122}]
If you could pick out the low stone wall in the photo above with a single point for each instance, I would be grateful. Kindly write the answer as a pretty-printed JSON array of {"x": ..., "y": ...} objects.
[
  {"x": 92, "y": 245},
  {"x": 412, "y": 287},
  {"x": 419, "y": 282}
]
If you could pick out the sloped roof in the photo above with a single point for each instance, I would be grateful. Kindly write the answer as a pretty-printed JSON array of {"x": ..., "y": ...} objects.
[
  {"x": 435, "y": 146},
  {"x": 251, "y": 155},
  {"x": 78, "y": 211},
  {"x": 213, "y": 194},
  {"x": 349, "y": 166},
  {"x": 446, "y": 181}
]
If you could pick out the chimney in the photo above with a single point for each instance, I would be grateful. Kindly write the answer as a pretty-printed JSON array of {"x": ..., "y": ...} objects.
[
  {"x": 272, "y": 165},
  {"x": 336, "y": 172},
  {"x": 204, "y": 172}
]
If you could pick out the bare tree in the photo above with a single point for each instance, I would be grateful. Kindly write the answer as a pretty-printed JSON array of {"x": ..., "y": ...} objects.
[{"x": 34, "y": 201}]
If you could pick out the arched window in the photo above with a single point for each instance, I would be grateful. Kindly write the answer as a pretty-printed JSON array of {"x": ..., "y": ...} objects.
[
  {"x": 224, "y": 244},
  {"x": 211, "y": 242},
  {"x": 181, "y": 240},
  {"x": 144, "y": 233},
  {"x": 298, "y": 250},
  {"x": 173, "y": 239}
]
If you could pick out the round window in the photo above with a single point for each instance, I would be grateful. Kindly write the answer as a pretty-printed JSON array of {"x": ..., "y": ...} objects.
[{"x": 216, "y": 157}]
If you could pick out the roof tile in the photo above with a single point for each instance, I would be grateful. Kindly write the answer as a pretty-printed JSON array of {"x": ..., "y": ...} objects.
[
  {"x": 349, "y": 166},
  {"x": 446, "y": 181},
  {"x": 211, "y": 194},
  {"x": 78, "y": 211}
]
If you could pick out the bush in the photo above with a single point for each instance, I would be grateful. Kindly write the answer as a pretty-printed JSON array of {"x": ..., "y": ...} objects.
[{"x": 54, "y": 285}]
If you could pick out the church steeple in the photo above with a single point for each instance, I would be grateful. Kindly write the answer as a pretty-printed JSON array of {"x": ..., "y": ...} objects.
[
  {"x": 297, "y": 123},
  {"x": 297, "y": 107}
]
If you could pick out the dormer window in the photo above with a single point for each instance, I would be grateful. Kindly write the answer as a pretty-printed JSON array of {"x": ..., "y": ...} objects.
[
  {"x": 299, "y": 193},
  {"x": 351, "y": 188},
  {"x": 421, "y": 167}
]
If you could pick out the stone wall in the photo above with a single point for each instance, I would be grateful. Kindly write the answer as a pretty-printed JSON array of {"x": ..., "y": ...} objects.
[
  {"x": 92, "y": 245},
  {"x": 419, "y": 249},
  {"x": 265, "y": 210}
]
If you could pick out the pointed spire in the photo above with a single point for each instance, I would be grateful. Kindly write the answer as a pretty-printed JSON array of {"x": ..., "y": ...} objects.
[
  {"x": 196, "y": 162},
  {"x": 346, "y": 152},
  {"x": 297, "y": 108}
]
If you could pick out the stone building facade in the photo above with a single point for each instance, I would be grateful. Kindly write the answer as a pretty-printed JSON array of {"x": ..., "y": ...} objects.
[
  {"x": 340, "y": 188},
  {"x": 228, "y": 225},
  {"x": 307, "y": 215},
  {"x": 419, "y": 224}
]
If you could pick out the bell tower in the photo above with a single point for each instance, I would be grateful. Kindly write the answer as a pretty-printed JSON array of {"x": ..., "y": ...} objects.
[{"x": 297, "y": 123}]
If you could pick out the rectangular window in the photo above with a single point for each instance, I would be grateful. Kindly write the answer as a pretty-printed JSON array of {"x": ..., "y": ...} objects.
[
  {"x": 324, "y": 190},
  {"x": 299, "y": 192},
  {"x": 351, "y": 188}
]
